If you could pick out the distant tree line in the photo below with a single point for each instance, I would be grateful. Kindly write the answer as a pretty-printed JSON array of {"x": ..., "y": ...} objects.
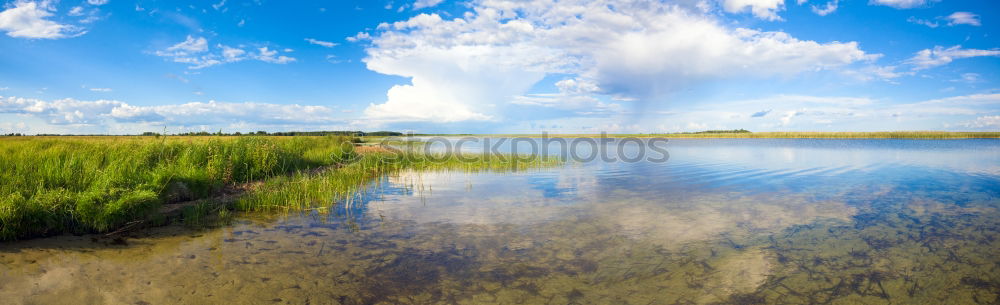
[
  {"x": 741, "y": 130},
  {"x": 257, "y": 133},
  {"x": 289, "y": 133}
]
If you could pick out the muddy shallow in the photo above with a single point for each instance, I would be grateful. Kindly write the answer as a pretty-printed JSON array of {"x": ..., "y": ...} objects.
[{"x": 724, "y": 221}]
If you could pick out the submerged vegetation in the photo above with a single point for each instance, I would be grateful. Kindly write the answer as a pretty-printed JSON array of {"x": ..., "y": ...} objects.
[{"x": 99, "y": 184}]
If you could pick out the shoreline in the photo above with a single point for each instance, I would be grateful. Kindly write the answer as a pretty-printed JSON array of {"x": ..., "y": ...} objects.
[{"x": 920, "y": 135}]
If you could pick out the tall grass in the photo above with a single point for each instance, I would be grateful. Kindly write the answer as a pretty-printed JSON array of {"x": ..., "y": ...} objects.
[
  {"x": 305, "y": 190},
  {"x": 95, "y": 184}
]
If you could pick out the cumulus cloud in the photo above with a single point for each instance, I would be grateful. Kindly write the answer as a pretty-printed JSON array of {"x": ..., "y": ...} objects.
[
  {"x": 271, "y": 56},
  {"x": 963, "y": 18},
  {"x": 826, "y": 9},
  {"x": 195, "y": 52},
  {"x": 763, "y": 9},
  {"x": 939, "y": 56},
  {"x": 899, "y": 4},
  {"x": 468, "y": 68},
  {"x": 359, "y": 37},
  {"x": 28, "y": 19},
  {"x": 102, "y": 112},
  {"x": 321, "y": 43},
  {"x": 97, "y": 2}
]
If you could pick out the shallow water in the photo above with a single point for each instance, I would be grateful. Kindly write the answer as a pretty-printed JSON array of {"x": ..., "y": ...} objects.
[{"x": 723, "y": 221}]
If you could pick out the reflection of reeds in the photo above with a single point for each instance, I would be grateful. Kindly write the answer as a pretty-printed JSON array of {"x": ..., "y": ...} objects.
[
  {"x": 79, "y": 184},
  {"x": 306, "y": 190}
]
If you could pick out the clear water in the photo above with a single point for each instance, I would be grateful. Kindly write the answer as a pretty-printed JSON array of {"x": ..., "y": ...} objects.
[{"x": 723, "y": 221}]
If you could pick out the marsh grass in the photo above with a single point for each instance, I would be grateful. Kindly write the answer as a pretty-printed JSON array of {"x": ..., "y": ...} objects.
[
  {"x": 53, "y": 185},
  {"x": 320, "y": 190},
  {"x": 99, "y": 184}
]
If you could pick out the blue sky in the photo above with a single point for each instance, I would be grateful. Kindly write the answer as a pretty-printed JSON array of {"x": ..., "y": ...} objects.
[{"x": 499, "y": 66}]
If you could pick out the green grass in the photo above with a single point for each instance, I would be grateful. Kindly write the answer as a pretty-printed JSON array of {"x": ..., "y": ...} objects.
[
  {"x": 306, "y": 191},
  {"x": 53, "y": 185}
]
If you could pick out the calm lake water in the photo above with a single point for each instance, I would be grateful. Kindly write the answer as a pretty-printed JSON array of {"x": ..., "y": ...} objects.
[{"x": 723, "y": 221}]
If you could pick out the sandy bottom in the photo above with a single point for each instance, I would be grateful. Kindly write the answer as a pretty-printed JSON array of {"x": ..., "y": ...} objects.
[{"x": 702, "y": 250}]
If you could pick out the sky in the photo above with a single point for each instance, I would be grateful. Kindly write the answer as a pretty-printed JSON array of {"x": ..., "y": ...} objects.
[{"x": 498, "y": 66}]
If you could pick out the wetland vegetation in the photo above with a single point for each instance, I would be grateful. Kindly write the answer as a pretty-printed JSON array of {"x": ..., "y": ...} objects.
[{"x": 54, "y": 185}]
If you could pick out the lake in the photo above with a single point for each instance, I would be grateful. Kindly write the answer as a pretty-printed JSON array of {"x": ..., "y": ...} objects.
[{"x": 741, "y": 221}]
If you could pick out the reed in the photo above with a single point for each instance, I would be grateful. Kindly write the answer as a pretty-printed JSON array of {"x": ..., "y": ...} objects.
[
  {"x": 311, "y": 190},
  {"x": 52, "y": 185}
]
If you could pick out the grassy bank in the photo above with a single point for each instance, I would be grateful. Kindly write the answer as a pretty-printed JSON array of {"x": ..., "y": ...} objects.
[
  {"x": 53, "y": 185},
  {"x": 96, "y": 184},
  {"x": 776, "y": 135}
]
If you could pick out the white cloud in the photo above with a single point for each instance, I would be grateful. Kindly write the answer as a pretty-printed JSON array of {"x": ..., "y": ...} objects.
[
  {"x": 197, "y": 54},
  {"x": 97, "y": 2},
  {"x": 231, "y": 54},
  {"x": 189, "y": 46},
  {"x": 76, "y": 11},
  {"x": 899, "y": 4},
  {"x": 967, "y": 18},
  {"x": 219, "y": 5},
  {"x": 797, "y": 112},
  {"x": 271, "y": 56},
  {"x": 575, "y": 95},
  {"x": 468, "y": 68},
  {"x": 100, "y": 89},
  {"x": 321, "y": 43},
  {"x": 104, "y": 112},
  {"x": 929, "y": 58},
  {"x": 360, "y": 36},
  {"x": 968, "y": 78},
  {"x": 763, "y": 9},
  {"x": 29, "y": 20},
  {"x": 420, "y": 4},
  {"x": 928, "y": 23},
  {"x": 874, "y": 72},
  {"x": 990, "y": 122},
  {"x": 827, "y": 9}
]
